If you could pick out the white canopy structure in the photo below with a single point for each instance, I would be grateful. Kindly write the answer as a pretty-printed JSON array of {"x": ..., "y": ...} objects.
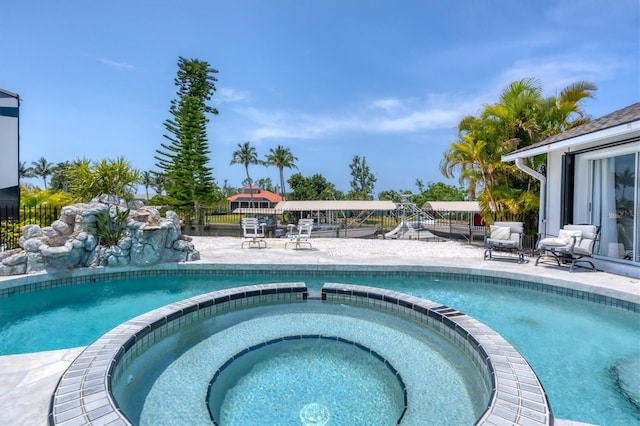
[
  {"x": 332, "y": 205},
  {"x": 452, "y": 206}
]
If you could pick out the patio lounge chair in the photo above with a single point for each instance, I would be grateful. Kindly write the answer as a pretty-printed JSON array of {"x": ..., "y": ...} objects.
[
  {"x": 504, "y": 237},
  {"x": 253, "y": 232},
  {"x": 574, "y": 243},
  {"x": 300, "y": 234}
]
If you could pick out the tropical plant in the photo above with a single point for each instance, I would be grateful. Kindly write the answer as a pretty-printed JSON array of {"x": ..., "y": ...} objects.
[
  {"x": 115, "y": 177},
  {"x": 392, "y": 195},
  {"x": 316, "y": 187},
  {"x": 521, "y": 117},
  {"x": 246, "y": 155},
  {"x": 146, "y": 179},
  {"x": 439, "y": 191},
  {"x": 24, "y": 171},
  {"x": 60, "y": 177},
  {"x": 565, "y": 112},
  {"x": 80, "y": 179},
  {"x": 184, "y": 158},
  {"x": 10, "y": 232},
  {"x": 227, "y": 190},
  {"x": 159, "y": 183},
  {"x": 281, "y": 157},
  {"x": 362, "y": 180},
  {"x": 264, "y": 183},
  {"x": 625, "y": 179},
  {"x": 42, "y": 168},
  {"x": 111, "y": 224},
  {"x": 31, "y": 196}
]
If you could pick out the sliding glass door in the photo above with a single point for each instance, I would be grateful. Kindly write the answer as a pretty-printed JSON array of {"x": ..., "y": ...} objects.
[{"x": 615, "y": 195}]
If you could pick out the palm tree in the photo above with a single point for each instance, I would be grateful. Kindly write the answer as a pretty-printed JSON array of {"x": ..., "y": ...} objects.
[
  {"x": 559, "y": 112},
  {"x": 160, "y": 181},
  {"x": 60, "y": 178},
  {"x": 42, "y": 168},
  {"x": 24, "y": 171},
  {"x": 246, "y": 155},
  {"x": 281, "y": 157},
  {"x": 624, "y": 180},
  {"x": 476, "y": 157},
  {"x": 521, "y": 117},
  {"x": 462, "y": 158},
  {"x": 146, "y": 179}
]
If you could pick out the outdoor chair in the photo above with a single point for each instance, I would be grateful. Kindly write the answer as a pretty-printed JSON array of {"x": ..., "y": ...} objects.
[
  {"x": 301, "y": 233},
  {"x": 574, "y": 243},
  {"x": 504, "y": 237},
  {"x": 253, "y": 232}
]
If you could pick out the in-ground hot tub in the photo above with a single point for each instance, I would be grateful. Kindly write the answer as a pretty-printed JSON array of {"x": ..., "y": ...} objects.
[{"x": 445, "y": 363}]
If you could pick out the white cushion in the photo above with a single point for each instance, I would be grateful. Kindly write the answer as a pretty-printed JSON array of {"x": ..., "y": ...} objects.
[
  {"x": 553, "y": 242},
  {"x": 500, "y": 232},
  {"x": 502, "y": 243},
  {"x": 567, "y": 236}
]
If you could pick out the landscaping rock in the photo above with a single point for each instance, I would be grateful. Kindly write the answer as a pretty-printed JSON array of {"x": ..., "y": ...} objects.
[{"x": 73, "y": 241}]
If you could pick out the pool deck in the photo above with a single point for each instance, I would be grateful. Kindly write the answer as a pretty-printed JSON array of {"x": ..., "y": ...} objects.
[{"x": 27, "y": 381}]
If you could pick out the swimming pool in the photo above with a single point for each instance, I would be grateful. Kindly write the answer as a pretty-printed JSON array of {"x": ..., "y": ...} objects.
[
  {"x": 504, "y": 380},
  {"x": 571, "y": 344}
]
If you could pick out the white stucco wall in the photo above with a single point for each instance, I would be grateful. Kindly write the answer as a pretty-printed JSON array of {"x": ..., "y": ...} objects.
[
  {"x": 8, "y": 143},
  {"x": 554, "y": 191}
]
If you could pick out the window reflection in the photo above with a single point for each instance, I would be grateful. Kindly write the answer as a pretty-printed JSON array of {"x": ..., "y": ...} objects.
[{"x": 615, "y": 202}]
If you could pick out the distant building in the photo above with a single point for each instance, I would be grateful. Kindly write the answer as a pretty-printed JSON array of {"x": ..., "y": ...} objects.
[
  {"x": 9, "y": 160},
  {"x": 262, "y": 199}
]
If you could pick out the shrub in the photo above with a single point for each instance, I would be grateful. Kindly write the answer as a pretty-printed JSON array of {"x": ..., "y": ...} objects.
[{"x": 110, "y": 229}]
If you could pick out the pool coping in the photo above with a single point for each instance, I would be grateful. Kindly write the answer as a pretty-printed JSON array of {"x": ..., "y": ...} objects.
[
  {"x": 516, "y": 394},
  {"x": 83, "y": 394}
]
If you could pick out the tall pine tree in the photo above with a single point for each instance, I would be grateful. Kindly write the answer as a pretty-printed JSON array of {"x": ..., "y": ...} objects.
[{"x": 183, "y": 159}]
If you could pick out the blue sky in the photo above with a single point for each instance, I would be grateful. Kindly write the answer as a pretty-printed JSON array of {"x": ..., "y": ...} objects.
[{"x": 387, "y": 80}]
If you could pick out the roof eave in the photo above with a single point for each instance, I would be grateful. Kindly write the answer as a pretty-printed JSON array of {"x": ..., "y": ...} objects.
[
  {"x": 9, "y": 93},
  {"x": 619, "y": 131}
]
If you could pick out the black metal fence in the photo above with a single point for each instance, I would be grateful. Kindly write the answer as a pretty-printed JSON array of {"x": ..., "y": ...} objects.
[
  {"x": 222, "y": 222},
  {"x": 12, "y": 220}
]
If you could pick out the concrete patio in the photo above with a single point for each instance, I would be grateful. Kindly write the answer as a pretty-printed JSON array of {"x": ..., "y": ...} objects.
[{"x": 27, "y": 381}]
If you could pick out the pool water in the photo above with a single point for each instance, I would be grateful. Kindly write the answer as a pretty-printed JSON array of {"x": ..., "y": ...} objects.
[
  {"x": 313, "y": 382},
  {"x": 571, "y": 344},
  {"x": 354, "y": 387}
]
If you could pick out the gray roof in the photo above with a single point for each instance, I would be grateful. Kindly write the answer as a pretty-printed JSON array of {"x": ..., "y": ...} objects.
[{"x": 616, "y": 118}]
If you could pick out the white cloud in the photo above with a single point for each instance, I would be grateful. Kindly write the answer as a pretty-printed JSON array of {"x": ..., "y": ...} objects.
[
  {"x": 387, "y": 105},
  {"x": 118, "y": 65},
  {"x": 430, "y": 112},
  {"x": 379, "y": 116},
  {"x": 427, "y": 119},
  {"x": 225, "y": 94}
]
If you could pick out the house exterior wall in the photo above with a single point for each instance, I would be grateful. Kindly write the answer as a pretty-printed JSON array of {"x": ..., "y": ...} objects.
[
  {"x": 554, "y": 192},
  {"x": 9, "y": 160},
  {"x": 600, "y": 186}
]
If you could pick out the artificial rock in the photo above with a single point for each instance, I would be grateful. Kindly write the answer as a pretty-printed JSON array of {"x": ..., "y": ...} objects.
[{"x": 73, "y": 241}]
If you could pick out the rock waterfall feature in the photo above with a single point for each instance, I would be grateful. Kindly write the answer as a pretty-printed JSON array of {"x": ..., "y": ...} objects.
[{"x": 104, "y": 232}]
